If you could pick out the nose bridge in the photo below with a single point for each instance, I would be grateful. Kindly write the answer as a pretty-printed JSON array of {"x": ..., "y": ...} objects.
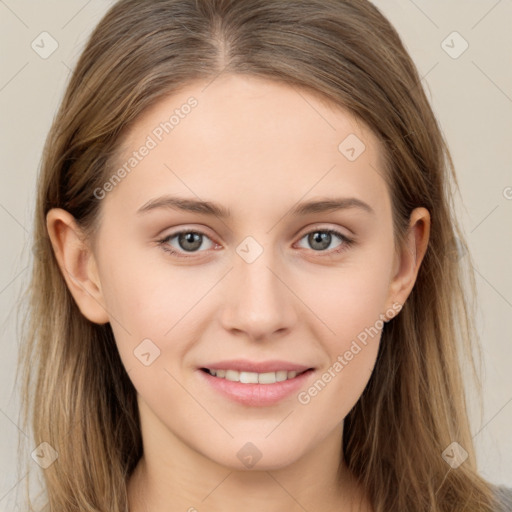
[{"x": 258, "y": 302}]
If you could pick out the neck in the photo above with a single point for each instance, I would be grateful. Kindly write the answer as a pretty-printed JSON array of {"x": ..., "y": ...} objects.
[{"x": 173, "y": 477}]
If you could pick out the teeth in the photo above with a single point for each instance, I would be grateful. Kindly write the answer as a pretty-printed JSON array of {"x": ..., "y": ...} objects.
[
  {"x": 281, "y": 375},
  {"x": 248, "y": 377},
  {"x": 267, "y": 378},
  {"x": 252, "y": 377},
  {"x": 232, "y": 375}
]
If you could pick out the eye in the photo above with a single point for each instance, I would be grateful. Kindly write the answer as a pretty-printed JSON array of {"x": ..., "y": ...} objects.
[
  {"x": 189, "y": 241},
  {"x": 320, "y": 239}
]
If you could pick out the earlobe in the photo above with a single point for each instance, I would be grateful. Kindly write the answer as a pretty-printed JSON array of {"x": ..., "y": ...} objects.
[
  {"x": 410, "y": 256},
  {"x": 77, "y": 264}
]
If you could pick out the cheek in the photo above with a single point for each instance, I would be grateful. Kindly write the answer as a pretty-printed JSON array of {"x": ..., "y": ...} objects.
[
  {"x": 154, "y": 302},
  {"x": 351, "y": 298},
  {"x": 352, "y": 309},
  {"x": 338, "y": 387},
  {"x": 139, "y": 295},
  {"x": 350, "y": 302}
]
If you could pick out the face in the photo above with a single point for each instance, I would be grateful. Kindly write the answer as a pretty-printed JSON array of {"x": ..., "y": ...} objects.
[{"x": 263, "y": 279}]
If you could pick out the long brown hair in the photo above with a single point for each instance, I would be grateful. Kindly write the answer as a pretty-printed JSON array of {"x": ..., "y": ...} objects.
[{"x": 78, "y": 396}]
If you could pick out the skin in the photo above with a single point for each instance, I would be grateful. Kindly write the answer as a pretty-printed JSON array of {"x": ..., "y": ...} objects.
[{"x": 256, "y": 147}]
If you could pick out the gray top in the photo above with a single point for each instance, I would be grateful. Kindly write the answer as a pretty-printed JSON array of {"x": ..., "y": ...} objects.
[{"x": 504, "y": 495}]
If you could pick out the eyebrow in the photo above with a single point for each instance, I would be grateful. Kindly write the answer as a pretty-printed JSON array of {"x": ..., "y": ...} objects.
[{"x": 213, "y": 209}]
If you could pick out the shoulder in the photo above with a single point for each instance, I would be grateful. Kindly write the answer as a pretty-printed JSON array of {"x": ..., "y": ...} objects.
[{"x": 504, "y": 497}]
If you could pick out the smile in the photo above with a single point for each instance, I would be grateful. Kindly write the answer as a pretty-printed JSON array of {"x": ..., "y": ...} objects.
[
  {"x": 255, "y": 389},
  {"x": 253, "y": 377}
]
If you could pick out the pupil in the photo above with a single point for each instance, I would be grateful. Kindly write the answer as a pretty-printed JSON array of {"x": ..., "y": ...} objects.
[
  {"x": 190, "y": 238},
  {"x": 319, "y": 237},
  {"x": 322, "y": 238}
]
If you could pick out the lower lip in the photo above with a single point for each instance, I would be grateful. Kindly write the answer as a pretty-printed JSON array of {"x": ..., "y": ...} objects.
[{"x": 257, "y": 394}]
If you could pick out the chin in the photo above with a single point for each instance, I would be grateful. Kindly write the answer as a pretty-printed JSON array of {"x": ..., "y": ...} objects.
[{"x": 255, "y": 457}]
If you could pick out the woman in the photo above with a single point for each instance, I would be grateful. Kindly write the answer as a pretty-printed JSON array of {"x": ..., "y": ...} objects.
[{"x": 248, "y": 293}]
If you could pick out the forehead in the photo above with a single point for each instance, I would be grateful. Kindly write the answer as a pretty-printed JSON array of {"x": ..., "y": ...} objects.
[{"x": 250, "y": 143}]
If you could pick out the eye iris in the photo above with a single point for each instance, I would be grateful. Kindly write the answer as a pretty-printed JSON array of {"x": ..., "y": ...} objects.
[
  {"x": 191, "y": 241},
  {"x": 190, "y": 238},
  {"x": 320, "y": 237}
]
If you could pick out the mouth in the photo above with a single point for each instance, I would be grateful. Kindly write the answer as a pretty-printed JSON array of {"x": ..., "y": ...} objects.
[
  {"x": 255, "y": 383},
  {"x": 254, "y": 377},
  {"x": 256, "y": 389}
]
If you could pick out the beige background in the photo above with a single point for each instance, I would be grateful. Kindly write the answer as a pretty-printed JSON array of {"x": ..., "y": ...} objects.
[{"x": 471, "y": 95}]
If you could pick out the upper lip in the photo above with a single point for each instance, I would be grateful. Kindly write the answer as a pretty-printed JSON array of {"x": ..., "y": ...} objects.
[{"x": 243, "y": 365}]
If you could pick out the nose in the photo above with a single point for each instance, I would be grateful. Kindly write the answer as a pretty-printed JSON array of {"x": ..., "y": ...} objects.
[{"x": 259, "y": 301}]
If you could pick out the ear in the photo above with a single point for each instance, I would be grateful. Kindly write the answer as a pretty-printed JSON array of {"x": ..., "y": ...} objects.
[
  {"x": 409, "y": 257},
  {"x": 77, "y": 264}
]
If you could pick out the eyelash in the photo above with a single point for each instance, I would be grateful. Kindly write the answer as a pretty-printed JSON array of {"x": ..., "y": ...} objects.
[{"x": 347, "y": 242}]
